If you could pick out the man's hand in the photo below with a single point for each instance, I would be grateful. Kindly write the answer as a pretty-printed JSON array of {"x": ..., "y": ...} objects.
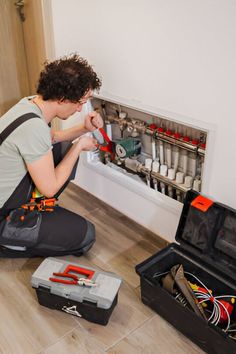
[
  {"x": 86, "y": 143},
  {"x": 93, "y": 121}
]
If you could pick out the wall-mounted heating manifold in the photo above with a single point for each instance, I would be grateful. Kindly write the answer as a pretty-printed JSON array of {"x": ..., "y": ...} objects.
[{"x": 166, "y": 155}]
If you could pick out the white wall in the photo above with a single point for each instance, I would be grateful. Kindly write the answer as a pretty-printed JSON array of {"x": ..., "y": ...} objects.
[{"x": 175, "y": 58}]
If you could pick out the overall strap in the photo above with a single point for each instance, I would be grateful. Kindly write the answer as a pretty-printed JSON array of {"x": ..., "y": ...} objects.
[
  {"x": 26, "y": 181},
  {"x": 17, "y": 122}
]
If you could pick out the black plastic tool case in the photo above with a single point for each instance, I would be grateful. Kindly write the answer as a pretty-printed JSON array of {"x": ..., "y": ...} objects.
[
  {"x": 207, "y": 248},
  {"x": 94, "y": 304}
]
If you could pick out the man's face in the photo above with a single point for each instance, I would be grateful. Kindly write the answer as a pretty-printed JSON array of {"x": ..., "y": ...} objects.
[{"x": 66, "y": 108}]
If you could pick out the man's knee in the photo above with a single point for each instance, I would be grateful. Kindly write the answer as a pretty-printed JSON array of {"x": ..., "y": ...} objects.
[{"x": 89, "y": 239}]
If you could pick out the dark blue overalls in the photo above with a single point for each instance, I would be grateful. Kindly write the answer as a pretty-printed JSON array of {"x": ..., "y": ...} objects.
[{"x": 61, "y": 231}]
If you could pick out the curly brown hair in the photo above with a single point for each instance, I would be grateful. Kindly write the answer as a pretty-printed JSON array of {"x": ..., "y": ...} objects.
[{"x": 68, "y": 78}]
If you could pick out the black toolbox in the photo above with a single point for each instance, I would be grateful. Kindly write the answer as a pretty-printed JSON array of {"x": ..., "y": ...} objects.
[
  {"x": 95, "y": 303},
  {"x": 207, "y": 251}
]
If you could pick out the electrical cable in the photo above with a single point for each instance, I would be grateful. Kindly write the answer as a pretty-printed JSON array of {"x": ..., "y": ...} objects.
[
  {"x": 155, "y": 275},
  {"x": 216, "y": 318},
  {"x": 221, "y": 296},
  {"x": 227, "y": 313},
  {"x": 216, "y": 313},
  {"x": 194, "y": 276}
]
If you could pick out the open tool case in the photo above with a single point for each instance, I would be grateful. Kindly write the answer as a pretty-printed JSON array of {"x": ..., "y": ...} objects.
[
  {"x": 95, "y": 304},
  {"x": 207, "y": 249}
]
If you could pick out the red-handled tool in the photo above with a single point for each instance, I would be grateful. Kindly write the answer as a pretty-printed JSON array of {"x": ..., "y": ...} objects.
[
  {"x": 104, "y": 142},
  {"x": 72, "y": 279}
]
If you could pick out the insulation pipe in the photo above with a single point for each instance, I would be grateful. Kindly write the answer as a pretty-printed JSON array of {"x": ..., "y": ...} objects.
[
  {"x": 154, "y": 154},
  {"x": 185, "y": 161},
  {"x": 168, "y": 155},
  {"x": 163, "y": 170},
  {"x": 171, "y": 174},
  {"x": 176, "y": 157},
  {"x": 161, "y": 152},
  {"x": 179, "y": 177},
  {"x": 194, "y": 165},
  {"x": 185, "y": 155},
  {"x": 197, "y": 185},
  {"x": 188, "y": 181},
  {"x": 193, "y": 157},
  {"x": 155, "y": 166},
  {"x": 148, "y": 164},
  {"x": 176, "y": 153}
]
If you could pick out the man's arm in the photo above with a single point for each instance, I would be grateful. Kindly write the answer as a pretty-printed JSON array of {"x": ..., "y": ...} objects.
[
  {"x": 49, "y": 179},
  {"x": 91, "y": 122},
  {"x": 68, "y": 134}
]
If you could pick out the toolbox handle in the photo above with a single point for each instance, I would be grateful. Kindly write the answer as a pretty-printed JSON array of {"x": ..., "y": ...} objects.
[
  {"x": 202, "y": 203},
  {"x": 83, "y": 271}
]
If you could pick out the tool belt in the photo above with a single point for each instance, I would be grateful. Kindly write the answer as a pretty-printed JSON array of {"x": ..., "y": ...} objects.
[{"x": 40, "y": 204}]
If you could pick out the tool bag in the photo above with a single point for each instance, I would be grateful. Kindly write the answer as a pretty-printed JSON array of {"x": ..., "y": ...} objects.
[{"x": 19, "y": 226}]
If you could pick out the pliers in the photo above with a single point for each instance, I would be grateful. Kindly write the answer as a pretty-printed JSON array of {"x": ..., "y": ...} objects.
[
  {"x": 72, "y": 279},
  {"x": 104, "y": 142}
]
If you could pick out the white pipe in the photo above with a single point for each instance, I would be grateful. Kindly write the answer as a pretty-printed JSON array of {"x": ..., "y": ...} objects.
[
  {"x": 188, "y": 181},
  {"x": 197, "y": 185},
  {"x": 161, "y": 152},
  {"x": 185, "y": 161},
  {"x": 168, "y": 155},
  {"x": 171, "y": 173},
  {"x": 163, "y": 170},
  {"x": 148, "y": 164},
  {"x": 155, "y": 166},
  {"x": 154, "y": 154},
  {"x": 194, "y": 166},
  {"x": 176, "y": 158},
  {"x": 179, "y": 177}
]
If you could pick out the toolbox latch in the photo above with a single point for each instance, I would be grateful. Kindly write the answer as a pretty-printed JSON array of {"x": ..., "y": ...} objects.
[{"x": 202, "y": 203}]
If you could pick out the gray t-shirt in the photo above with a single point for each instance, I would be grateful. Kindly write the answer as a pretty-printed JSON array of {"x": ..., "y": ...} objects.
[{"x": 27, "y": 143}]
